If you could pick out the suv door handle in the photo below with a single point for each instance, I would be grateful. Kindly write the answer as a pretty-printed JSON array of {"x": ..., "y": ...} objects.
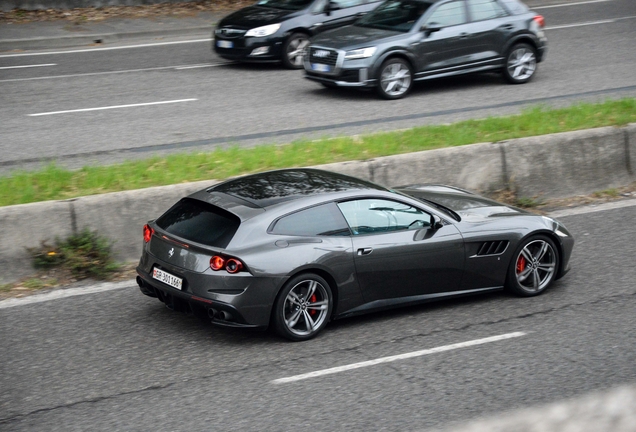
[{"x": 365, "y": 251}]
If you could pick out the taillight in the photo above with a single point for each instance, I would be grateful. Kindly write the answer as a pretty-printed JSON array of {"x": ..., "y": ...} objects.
[
  {"x": 217, "y": 263},
  {"x": 231, "y": 265},
  {"x": 148, "y": 232},
  {"x": 539, "y": 20}
]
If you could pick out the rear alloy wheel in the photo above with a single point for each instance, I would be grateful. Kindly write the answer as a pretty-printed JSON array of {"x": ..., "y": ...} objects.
[
  {"x": 521, "y": 64},
  {"x": 395, "y": 79},
  {"x": 303, "y": 307},
  {"x": 294, "y": 50},
  {"x": 534, "y": 267}
]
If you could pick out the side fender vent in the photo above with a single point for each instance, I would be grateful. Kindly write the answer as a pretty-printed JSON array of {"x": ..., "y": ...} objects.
[{"x": 492, "y": 248}]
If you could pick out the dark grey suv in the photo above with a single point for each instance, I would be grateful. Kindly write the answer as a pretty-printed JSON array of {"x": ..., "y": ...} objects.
[{"x": 403, "y": 41}]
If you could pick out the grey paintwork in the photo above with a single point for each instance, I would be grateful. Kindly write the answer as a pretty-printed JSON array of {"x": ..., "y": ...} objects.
[
  {"x": 474, "y": 46},
  {"x": 405, "y": 267}
]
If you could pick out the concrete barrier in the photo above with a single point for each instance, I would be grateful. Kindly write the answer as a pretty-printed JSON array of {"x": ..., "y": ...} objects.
[
  {"x": 553, "y": 166},
  {"x": 572, "y": 163}
]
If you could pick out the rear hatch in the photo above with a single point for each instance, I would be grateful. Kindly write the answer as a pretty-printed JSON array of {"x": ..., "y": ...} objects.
[{"x": 191, "y": 232}]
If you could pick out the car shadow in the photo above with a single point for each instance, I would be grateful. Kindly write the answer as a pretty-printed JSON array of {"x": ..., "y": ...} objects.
[{"x": 436, "y": 87}]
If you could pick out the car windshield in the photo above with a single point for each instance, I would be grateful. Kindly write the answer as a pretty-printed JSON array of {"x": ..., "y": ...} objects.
[
  {"x": 286, "y": 4},
  {"x": 396, "y": 15}
]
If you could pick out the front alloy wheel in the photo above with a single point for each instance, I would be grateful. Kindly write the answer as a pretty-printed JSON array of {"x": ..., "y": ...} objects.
[
  {"x": 534, "y": 267},
  {"x": 294, "y": 50},
  {"x": 521, "y": 64},
  {"x": 303, "y": 307},
  {"x": 395, "y": 79}
]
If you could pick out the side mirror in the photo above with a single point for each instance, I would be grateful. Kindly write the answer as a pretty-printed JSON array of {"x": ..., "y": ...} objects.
[
  {"x": 430, "y": 28},
  {"x": 331, "y": 6},
  {"x": 436, "y": 222}
]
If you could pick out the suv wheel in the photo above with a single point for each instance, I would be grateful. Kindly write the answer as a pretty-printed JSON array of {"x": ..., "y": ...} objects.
[
  {"x": 395, "y": 78},
  {"x": 521, "y": 64}
]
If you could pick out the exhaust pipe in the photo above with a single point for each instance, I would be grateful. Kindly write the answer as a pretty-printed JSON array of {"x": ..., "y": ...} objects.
[{"x": 148, "y": 290}]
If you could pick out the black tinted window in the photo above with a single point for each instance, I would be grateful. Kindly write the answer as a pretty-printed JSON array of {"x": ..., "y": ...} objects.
[
  {"x": 200, "y": 222},
  {"x": 395, "y": 15},
  {"x": 323, "y": 220}
]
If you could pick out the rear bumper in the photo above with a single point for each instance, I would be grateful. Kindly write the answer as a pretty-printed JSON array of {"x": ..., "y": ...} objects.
[{"x": 240, "y": 300}]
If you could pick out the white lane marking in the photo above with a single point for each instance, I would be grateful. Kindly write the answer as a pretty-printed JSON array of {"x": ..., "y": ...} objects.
[
  {"x": 583, "y": 24},
  {"x": 389, "y": 359},
  {"x": 64, "y": 293},
  {"x": 111, "y": 107},
  {"x": 593, "y": 208},
  {"x": 569, "y": 4},
  {"x": 106, "y": 48},
  {"x": 107, "y": 73},
  {"x": 28, "y": 66},
  {"x": 196, "y": 66}
]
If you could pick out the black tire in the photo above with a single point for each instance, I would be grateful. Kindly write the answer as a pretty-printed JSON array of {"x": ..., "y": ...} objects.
[
  {"x": 534, "y": 266},
  {"x": 395, "y": 78},
  {"x": 303, "y": 307},
  {"x": 294, "y": 50},
  {"x": 521, "y": 64}
]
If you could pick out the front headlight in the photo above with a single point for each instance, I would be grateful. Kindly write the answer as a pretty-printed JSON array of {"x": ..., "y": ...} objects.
[
  {"x": 360, "y": 53},
  {"x": 263, "y": 31}
]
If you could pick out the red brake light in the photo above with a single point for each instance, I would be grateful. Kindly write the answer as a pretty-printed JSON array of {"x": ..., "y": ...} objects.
[
  {"x": 539, "y": 20},
  {"x": 217, "y": 263},
  {"x": 148, "y": 232},
  {"x": 233, "y": 266}
]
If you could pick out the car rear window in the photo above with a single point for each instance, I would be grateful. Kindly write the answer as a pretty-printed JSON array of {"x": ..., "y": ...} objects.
[
  {"x": 515, "y": 6},
  {"x": 200, "y": 222}
]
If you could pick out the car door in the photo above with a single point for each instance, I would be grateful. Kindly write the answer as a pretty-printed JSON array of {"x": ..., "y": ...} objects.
[
  {"x": 446, "y": 45},
  {"x": 398, "y": 254},
  {"x": 338, "y": 13},
  {"x": 491, "y": 26}
]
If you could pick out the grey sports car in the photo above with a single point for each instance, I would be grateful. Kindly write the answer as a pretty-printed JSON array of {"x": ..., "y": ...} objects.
[{"x": 294, "y": 249}]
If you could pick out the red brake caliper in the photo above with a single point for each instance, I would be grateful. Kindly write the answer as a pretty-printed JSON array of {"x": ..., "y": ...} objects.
[
  {"x": 312, "y": 299},
  {"x": 521, "y": 264}
]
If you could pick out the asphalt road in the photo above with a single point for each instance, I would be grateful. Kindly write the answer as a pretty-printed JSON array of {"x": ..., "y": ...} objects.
[
  {"x": 119, "y": 360},
  {"x": 181, "y": 97}
]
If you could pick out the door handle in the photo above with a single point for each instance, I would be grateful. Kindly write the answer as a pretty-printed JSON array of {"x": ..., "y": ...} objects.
[{"x": 365, "y": 251}]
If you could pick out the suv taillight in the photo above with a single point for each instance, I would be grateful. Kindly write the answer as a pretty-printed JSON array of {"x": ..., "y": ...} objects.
[
  {"x": 231, "y": 265},
  {"x": 148, "y": 232},
  {"x": 539, "y": 20}
]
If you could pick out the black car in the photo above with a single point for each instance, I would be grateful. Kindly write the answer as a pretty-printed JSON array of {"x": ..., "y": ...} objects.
[
  {"x": 297, "y": 248},
  {"x": 403, "y": 41},
  {"x": 279, "y": 30}
]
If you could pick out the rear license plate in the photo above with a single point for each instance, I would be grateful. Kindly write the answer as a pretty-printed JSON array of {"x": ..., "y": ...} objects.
[
  {"x": 320, "y": 67},
  {"x": 167, "y": 278},
  {"x": 225, "y": 44}
]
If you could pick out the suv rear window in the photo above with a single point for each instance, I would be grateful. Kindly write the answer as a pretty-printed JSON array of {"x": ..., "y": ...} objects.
[{"x": 200, "y": 222}]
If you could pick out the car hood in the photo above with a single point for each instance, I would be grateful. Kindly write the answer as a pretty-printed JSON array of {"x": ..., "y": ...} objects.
[
  {"x": 470, "y": 207},
  {"x": 352, "y": 36},
  {"x": 256, "y": 16}
]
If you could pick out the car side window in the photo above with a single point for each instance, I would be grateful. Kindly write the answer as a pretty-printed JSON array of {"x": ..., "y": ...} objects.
[
  {"x": 373, "y": 216},
  {"x": 322, "y": 220},
  {"x": 485, "y": 9},
  {"x": 343, "y": 4},
  {"x": 448, "y": 14}
]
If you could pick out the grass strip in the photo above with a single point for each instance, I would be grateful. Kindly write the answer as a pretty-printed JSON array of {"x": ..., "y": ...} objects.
[{"x": 54, "y": 182}]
